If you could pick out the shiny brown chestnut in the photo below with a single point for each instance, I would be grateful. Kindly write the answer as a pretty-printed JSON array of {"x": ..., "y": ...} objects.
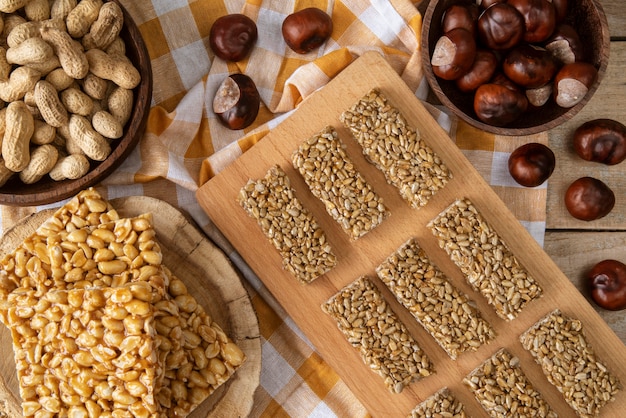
[
  {"x": 588, "y": 199},
  {"x": 454, "y": 54},
  {"x": 601, "y": 140},
  {"x": 481, "y": 71},
  {"x": 606, "y": 282},
  {"x": 233, "y": 36},
  {"x": 572, "y": 82},
  {"x": 539, "y": 18},
  {"x": 531, "y": 164},
  {"x": 307, "y": 29},
  {"x": 237, "y": 101},
  {"x": 460, "y": 16},
  {"x": 500, "y": 27},
  {"x": 484, "y": 4},
  {"x": 529, "y": 66},
  {"x": 565, "y": 44},
  {"x": 560, "y": 9},
  {"x": 498, "y": 105}
]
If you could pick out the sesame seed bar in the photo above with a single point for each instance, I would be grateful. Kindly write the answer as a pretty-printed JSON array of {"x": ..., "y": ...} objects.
[
  {"x": 503, "y": 390},
  {"x": 396, "y": 148},
  {"x": 488, "y": 264},
  {"x": 424, "y": 290},
  {"x": 383, "y": 341},
  {"x": 441, "y": 404},
  {"x": 288, "y": 225},
  {"x": 559, "y": 346},
  {"x": 349, "y": 199}
]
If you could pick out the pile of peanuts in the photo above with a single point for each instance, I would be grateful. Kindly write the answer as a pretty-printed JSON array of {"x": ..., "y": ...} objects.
[
  {"x": 101, "y": 327},
  {"x": 65, "y": 86}
]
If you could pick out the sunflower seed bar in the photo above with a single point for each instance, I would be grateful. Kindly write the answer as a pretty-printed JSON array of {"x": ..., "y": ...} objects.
[
  {"x": 558, "y": 344},
  {"x": 503, "y": 390},
  {"x": 396, "y": 148},
  {"x": 446, "y": 313},
  {"x": 384, "y": 343},
  {"x": 488, "y": 264},
  {"x": 332, "y": 178},
  {"x": 441, "y": 404},
  {"x": 288, "y": 225}
]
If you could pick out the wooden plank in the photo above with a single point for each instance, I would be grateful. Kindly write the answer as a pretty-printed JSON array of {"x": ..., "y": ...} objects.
[
  {"x": 607, "y": 102},
  {"x": 616, "y": 16},
  {"x": 302, "y": 302},
  {"x": 577, "y": 252}
]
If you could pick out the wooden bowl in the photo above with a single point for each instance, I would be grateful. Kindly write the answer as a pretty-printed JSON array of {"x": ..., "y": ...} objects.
[
  {"x": 46, "y": 190},
  {"x": 587, "y": 16}
]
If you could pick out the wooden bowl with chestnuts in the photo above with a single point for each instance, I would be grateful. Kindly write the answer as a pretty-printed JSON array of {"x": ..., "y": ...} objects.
[
  {"x": 514, "y": 67},
  {"x": 118, "y": 80}
]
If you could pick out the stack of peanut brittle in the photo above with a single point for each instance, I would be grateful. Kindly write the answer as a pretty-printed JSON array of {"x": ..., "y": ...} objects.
[{"x": 100, "y": 326}]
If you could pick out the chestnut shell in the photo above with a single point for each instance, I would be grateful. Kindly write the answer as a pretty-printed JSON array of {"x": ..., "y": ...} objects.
[{"x": 606, "y": 282}]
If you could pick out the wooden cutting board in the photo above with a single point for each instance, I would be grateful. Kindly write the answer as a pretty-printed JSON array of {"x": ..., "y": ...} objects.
[
  {"x": 302, "y": 302},
  {"x": 209, "y": 276}
]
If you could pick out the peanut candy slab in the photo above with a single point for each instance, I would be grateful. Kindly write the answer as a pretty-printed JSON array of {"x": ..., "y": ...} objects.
[
  {"x": 198, "y": 356},
  {"x": 501, "y": 387},
  {"x": 396, "y": 149},
  {"x": 488, "y": 264},
  {"x": 441, "y": 404},
  {"x": 383, "y": 341},
  {"x": 85, "y": 352},
  {"x": 559, "y": 346},
  {"x": 288, "y": 225},
  {"x": 446, "y": 313},
  {"x": 349, "y": 199}
]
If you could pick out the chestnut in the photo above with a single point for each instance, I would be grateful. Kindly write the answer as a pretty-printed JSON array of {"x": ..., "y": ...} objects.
[
  {"x": 484, "y": 4},
  {"x": 454, "y": 54},
  {"x": 232, "y": 36},
  {"x": 498, "y": 105},
  {"x": 560, "y": 9},
  {"x": 237, "y": 101},
  {"x": 481, "y": 71},
  {"x": 539, "y": 96},
  {"x": 531, "y": 164},
  {"x": 539, "y": 18},
  {"x": 500, "y": 26},
  {"x": 589, "y": 199},
  {"x": 307, "y": 29},
  {"x": 601, "y": 140},
  {"x": 606, "y": 282},
  {"x": 529, "y": 66},
  {"x": 572, "y": 82},
  {"x": 460, "y": 16},
  {"x": 565, "y": 44}
]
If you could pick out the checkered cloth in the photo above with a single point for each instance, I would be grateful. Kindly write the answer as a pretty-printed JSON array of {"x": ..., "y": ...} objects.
[{"x": 184, "y": 146}]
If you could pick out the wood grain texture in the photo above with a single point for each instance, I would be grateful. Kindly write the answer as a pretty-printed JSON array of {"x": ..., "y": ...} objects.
[
  {"x": 302, "y": 303},
  {"x": 209, "y": 276}
]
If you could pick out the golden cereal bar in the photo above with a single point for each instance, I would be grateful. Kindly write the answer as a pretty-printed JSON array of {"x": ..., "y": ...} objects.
[
  {"x": 558, "y": 344},
  {"x": 85, "y": 352},
  {"x": 488, "y": 264},
  {"x": 349, "y": 199},
  {"x": 396, "y": 148},
  {"x": 288, "y": 225},
  {"x": 503, "y": 390},
  {"x": 446, "y": 313},
  {"x": 383, "y": 341},
  {"x": 440, "y": 404}
]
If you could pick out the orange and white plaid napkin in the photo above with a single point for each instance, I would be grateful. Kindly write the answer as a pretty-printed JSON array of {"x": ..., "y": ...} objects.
[{"x": 184, "y": 146}]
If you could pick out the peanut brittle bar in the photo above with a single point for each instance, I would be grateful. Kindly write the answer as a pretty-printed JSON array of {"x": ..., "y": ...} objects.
[
  {"x": 332, "y": 178},
  {"x": 441, "y": 404},
  {"x": 504, "y": 391},
  {"x": 396, "y": 148},
  {"x": 488, "y": 264},
  {"x": 559, "y": 346},
  {"x": 288, "y": 225},
  {"x": 384, "y": 343},
  {"x": 446, "y": 313}
]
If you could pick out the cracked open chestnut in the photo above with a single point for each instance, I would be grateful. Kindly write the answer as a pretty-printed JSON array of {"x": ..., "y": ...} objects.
[
  {"x": 454, "y": 54},
  {"x": 589, "y": 199},
  {"x": 307, "y": 29},
  {"x": 601, "y": 140},
  {"x": 237, "y": 101},
  {"x": 232, "y": 36},
  {"x": 531, "y": 164},
  {"x": 606, "y": 282}
]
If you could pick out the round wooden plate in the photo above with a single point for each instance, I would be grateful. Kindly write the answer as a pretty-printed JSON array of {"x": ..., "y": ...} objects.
[{"x": 209, "y": 276}]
